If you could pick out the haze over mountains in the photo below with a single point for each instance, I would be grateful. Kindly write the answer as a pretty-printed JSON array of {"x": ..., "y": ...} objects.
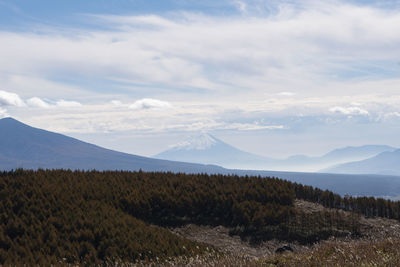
[
  {"x": 22, "y": 146},
  {"x": 207, "y": 149},
  {"x": 383, "y": 163}
]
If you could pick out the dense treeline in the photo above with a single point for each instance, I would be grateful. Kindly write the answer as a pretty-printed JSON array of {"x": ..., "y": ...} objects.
[
  {"x": 256, "y": 208},
  {"x": 47, "y": 216},
  {"x": 367, "y": 206},
  {"x": 52, "y": 216},
  {"x": 174, "y": 199},
  {"x": 76, "y": 216}
]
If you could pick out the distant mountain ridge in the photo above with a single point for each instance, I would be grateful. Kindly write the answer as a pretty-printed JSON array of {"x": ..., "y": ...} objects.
[
  {"x": 22, "y": 146},
  {"x": 207, "y": 149},
  {"x": 337, "y": 156},
  {"x": 384, "y": 163},
  {"x": 358, "y": 152}
]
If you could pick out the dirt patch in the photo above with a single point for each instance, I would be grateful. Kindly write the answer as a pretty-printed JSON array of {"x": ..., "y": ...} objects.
[
  {"x": 308, "y": 207},
  {"x": 219, "y": 238},
  {"x": 372, "y": 229},
  {"x": 378, "y": 229},
  {"x": 375, "y": 229}
]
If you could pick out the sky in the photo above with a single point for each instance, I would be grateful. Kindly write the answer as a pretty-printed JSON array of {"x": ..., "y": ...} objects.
[{"x": 275, "y": 78}]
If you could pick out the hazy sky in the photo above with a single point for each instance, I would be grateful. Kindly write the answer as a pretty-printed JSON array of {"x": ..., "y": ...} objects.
[{"x": 271, "y": 77}]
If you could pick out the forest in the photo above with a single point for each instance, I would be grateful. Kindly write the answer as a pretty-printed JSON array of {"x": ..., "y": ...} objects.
[{"x": 53, "y": 216}]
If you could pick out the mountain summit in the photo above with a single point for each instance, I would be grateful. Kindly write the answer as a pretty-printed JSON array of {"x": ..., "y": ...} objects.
[
  {"x": 207, "y": 149},
  {"x": 200, "y": 142}
]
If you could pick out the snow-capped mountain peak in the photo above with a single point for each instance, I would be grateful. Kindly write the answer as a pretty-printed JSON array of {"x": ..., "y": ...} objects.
[
  {"x": 197, "y": 142},
  {"x": 207, "y": 149}
]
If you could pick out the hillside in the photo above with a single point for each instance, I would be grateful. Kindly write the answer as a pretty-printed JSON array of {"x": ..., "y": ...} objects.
[
  {"x": 22, "y": 146},
  {"x": 371, "y": 229},
  {"x": 97, "y": 217}
]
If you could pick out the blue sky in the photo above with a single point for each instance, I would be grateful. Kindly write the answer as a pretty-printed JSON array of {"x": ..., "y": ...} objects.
[
  {"x": 20, "y": 13},
  {"x": 274, "y": 78}
]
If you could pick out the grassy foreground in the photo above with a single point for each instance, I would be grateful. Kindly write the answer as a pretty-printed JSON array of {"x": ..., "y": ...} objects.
[{"x": 331, "y": 253}]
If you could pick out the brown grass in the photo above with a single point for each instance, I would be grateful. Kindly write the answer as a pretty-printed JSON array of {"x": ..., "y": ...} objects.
[
  {"x": 343, "y": 253},
  {"x": 336, "y": 253}
]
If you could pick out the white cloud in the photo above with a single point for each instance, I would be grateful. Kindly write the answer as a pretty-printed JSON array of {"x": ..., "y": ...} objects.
[
  {"x": 356, "y": 104},
  {"x": 251, "y": 127},
  {"x": 241, "y": 6},
  {"x": 288, "y": 94},
  {"x": 116, "y": 103},
  {"x": 37, "y": 102},
  {"x": 3, "y": 113},
  {"x": 391, "y": 116},
  {"x": 68, "y": 104},
  {"x": 349, "y": 110},
  {"x": 147, "y": 118},
  {"x": 10, "y": 99},
  {"x": 148, "y": 103},
  {"x": 40, "y": 103},
  {"x": 297, "y": 49}
]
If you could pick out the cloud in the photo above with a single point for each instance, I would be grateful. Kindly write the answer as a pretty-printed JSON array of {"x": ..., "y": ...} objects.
[
  {"x": 148, "y": 103},
  {"x": 241, "y": 6},
  {"x": 10, "y": 99},
  {"x": 298, "y": 47},
  {"x": 156, "y": 116},
  {"x": 393, "y": 114},
  {"x": 40, "y": 103},
  {"x": 390, "y": 116},
  {"x": 356, "y": 104},
  {"x": 68, "y": 104},
  {"x": 37, "y": 102},
  {"x": 286, "y": 94},
  {"x": 116, "y": 103},
  {"x": 251, "y": 127},
  {"x": 3, "y": 113},
  {"x": 33, "y": 85},
  {"x": 349, "y": 110}
]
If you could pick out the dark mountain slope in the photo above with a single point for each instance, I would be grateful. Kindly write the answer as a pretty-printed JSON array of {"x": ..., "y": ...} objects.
[{"x": 22, "y": 146}]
